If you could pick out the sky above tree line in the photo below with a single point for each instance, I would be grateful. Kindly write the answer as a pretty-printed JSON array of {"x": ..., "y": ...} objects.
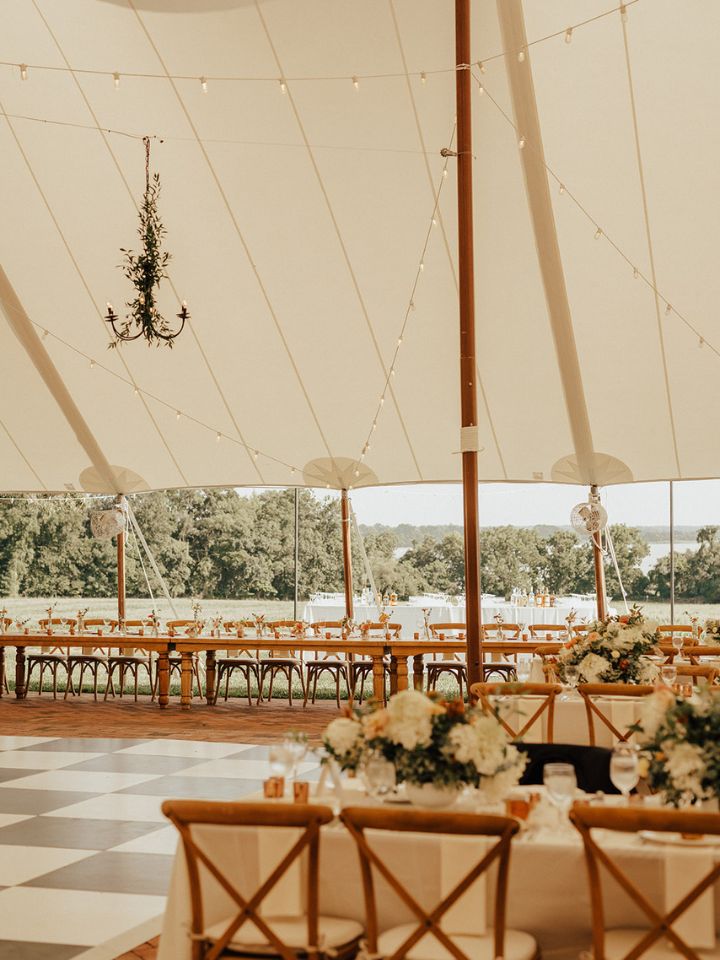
[{"x": 697, "y": 503}]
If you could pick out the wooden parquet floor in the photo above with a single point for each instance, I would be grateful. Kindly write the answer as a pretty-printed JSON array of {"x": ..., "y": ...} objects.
[
  {"x": 146, "y": 951},
  {"x": 41, "y": 716}
]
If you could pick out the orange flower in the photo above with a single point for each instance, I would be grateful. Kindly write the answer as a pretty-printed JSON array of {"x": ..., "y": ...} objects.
[
  {"x": 593, "y": 636},
  {"x": 624, "y": 618}
]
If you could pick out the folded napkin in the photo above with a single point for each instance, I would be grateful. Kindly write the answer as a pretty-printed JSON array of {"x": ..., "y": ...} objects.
[
  {"x": 458, "y": 855},
  {"x": 684, "y": 868},
  {"x": 286, "y": 897}
]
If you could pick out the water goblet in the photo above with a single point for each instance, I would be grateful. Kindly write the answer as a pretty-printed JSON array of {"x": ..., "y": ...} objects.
[
  {"x": 379, "y": 776},
  {"x": 677, "y": 641},
  {"x": 281, "y": 760},
  {"x": 572, "y": 678},
  {"x": 561, "y": 783},
  {"x": 296, "y": 744},
  {"x": 625, "y": 769},
  {"x": 668, "y": 674},
  {"x": 523, "y": 669}
]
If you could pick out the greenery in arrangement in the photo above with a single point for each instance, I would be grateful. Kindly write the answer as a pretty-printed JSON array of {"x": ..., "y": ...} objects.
[
  {"x": 680, "y": 745},
  {"x": 428, "y": 740},
  {"x": 613, "y": 650}
]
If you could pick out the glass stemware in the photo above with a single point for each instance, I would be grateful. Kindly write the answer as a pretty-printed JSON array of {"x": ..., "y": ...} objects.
[
  {"x": 523, "y": 669},
  {"x": 677, "y": 641},
  {"x": 379, "y": 776},
  {"x": 572, "y": 678},
  {"x": 668, "y": 674},
  {"x": 561, "y": 783},
  {"x": 625, "y": 769},
  {"x": 281, "y": 760},
  {"x": 296, "y": 744}
]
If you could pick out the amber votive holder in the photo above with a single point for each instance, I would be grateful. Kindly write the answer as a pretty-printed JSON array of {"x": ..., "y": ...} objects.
[
  {"x": 301, "y": 791},
  {"x": 274, "y": 788}
]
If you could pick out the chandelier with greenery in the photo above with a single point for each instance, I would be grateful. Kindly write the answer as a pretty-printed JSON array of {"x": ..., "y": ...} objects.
[{"x": 145, "y": 270}]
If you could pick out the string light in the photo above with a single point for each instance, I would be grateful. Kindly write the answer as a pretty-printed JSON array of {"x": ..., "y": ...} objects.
[
  {"x": 399, "y": 342},
  {"x": 177, "y": 414},
  {"x": 203, "y": 84},
  {"x": 623, "y": 12},
  {"x": 445, "y": 173},
  {"x": 23, "y": 71},
  {"x": 434, "y": 221},
  {"x": 598, "y": 233},
  {"x": 636, "y": 273},
  {"x": 92, "y": 364},
  {"x": 283, "y": 85},
  {"x": 668, "y": 309},
  {"x": 357, "y": 472},
  {"x": 116, "y": 79},
  {"x": 44, "y": 334},
  {"x": 255, "y": 455},
  {"x": 374, "y": 426},
  {"x": 218, "y": 437},
  {"x": 561, "y": 189},
  {"x": 521, "y": 143},
  {"x": 136, "y": 391},
  {"x": 292, "y": 470},
  {"x": 481, "y": 66},
  {"x": 701, "y": 341},
  {"x": 422, "y": 265},
  {"x": 521, "y": 56},
  {"x": 356, "y": 83},
  {"x": 568, "y": 35},
  {"x": 481, "y": 89},
  {"x": 423, "y": 78}
]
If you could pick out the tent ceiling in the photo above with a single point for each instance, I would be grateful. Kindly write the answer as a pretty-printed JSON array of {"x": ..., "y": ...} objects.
[{"x": 299, "y": 221}]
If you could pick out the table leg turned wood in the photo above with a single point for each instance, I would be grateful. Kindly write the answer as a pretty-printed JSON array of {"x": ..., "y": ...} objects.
[
  {"x": 210, "y": 677},
  {"x": 186, "y": 678},
  {"x": 2, "y": 671},
  {"x": 379, "y": 678},
  {"x": 401, "y": 673},
  {"x": 163, "y": 669},
  {"x": 418, "y": 671},
  {"x": 393, "y": 675},
  {"x": 20, "y": 677}
]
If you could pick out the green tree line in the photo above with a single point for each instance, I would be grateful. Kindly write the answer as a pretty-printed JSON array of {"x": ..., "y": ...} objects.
[{"x": 219, "y": 544}]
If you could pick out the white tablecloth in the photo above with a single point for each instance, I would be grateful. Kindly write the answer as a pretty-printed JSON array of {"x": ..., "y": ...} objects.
[
  {"x": 411, "y": 618},
  {"x": 570, "y": 723},
  {"x": 548, "y": 890}
]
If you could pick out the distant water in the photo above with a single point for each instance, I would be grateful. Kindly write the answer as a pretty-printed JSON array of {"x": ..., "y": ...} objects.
[{"x": 658, "y": 550}]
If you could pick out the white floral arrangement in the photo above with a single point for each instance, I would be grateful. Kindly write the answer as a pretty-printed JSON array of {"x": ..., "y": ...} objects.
[
  {"x": 429, "y": 740},
  {"x": 613, "y": 650},
  {"x": 680, "y": 743}
]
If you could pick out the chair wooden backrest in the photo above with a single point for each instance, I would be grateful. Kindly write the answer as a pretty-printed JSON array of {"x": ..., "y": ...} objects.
[
  {"x": 381, "y": 630},
  {"x": 358, "y": 819},
  {"x": 693, "y": 654},
  {"x": 668, "y": 630},
  {"x": 176, "y": 627},
  {"x": 547, "y": 691},
  {"x": 501, "y": 631},
  {"x": 547, "y": 631},
  {"x": 239, "y": 626},
  {"x": 589, "y": 691},
  {"x": 441, "y": 630},
  {"x": 100, "y": 622},
  {"x": 285, "y": 627},
  {"x": 697, "y": 672},
  {"x": 68, "y": 622},
  {"x": 631, "y": 820},
  {"x": 185, "y": 814}
]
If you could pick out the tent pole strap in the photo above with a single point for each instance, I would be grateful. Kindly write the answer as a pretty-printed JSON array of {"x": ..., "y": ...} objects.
[
  {"x": 347, "y": 555},
  {"x": 599, "y": 568},
  {"x": 468, "y": 364}
]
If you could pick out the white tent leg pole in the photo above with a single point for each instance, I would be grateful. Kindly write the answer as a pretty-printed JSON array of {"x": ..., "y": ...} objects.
[{"x": 151, "y": 558}]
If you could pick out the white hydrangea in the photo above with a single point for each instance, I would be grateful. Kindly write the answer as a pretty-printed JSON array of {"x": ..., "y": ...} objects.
[
  {"x": 409, "y": 719},
  {"x": 592, "y": 667},
  {"x": 648, "y": 671},
  {"x": 482, "y": 742},
  {"x": 498, "y": 786},
  {"x": 685, "y": 765},
  {"x": 342, "y": 735},
  {"x": 653, "y": 710}
]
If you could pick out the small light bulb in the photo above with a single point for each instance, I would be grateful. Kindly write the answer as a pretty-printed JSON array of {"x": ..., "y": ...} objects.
[
  {"x": 422, "y": 265},
  {"x": 399, "y": 341},
  {"x": 374, "y": 426},
  {"x": 561, "y": 189},
  {"x": 92, "y": 364},
  {"x": 636, "y": 273},
  {"x": 44, "y": 334},
  {"x": 434, "y": 221},
  {"x": 177, "y": 414},
  {"x": 116, "y": 79},
  {"x": 203, "y": 84},
  {"x": 668, "y": 309},
  {"x": 367, "y": 446},
  {"x": 623, "y": 12},
  {"x": 481, "y": 66},
  {"x": 445, "y": 172},
  {"x": 521, "y": 143},
  {"x": 283, "y": 86},
  {"x": 136, "y": 391},
  {"x": 382, "y": 400},
  {"x": 412, "y": 304},
  {"x": 568, "y": 35},
  {"x": 362, "y": 456},
  {"x": 521, "y": 56},
  {"x": 356, "y": 83},
  {"x": 292, "y": 469},
  {"x": 392, "y": 371},
  {"x": 218, "y": 437},
  {"x": 327, "y": 486},
  {"x": 598, "y": 233},
  {"x": 701, "y": 341},
  {"x": 23, "y": 71},
  {"x": 423, "y": 79},
  {"x": 481, "y": 89},
  {"x": 255, "y": 455},
  {"x": 357, "y": 473}
]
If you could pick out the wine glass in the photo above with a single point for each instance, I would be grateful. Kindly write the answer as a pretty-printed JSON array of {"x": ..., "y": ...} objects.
[
  {"x": 561, "y": 783},
  {"x": 677, "y": 641},
  {"x": 296, "y": 745},
  {"x": 379, "y": 776},
  {"x": 281, "y": 760},
  {"x": 624, "y": 769},
  {"x": 523, "y": 669},
  {"x": 668, "y": 674},
  {"x": 572, "y": 678}
]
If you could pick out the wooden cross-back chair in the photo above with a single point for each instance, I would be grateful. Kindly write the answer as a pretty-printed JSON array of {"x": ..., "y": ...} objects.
[
  {"x": 338, "y": 665},
  {"x": 363, "y": 667},
  {"x": 287, "y": 665},
  {"x": 552, "y": 632},
  {"x": 501, "y": 631},
  {"x": 694, "y": 654},
  {"x": 51, "y": 659},
  {"x": 404, "y": 940},
  {"x": 668, "y": 630},
  {"x": 632, "y": 943},
  {"x": 6, "y": 624},
  {"x": 129, "y": 661},
  {"x": 548, "y": 693},
  {"x": 245, "y": 661},
  {"x": 247, "y": 931},
  {"x": 91, "y": 660},
  {"x": 697, "y": 672},
  {"x": 589, "y": 691},
  {"x": 450, "y": 663}
]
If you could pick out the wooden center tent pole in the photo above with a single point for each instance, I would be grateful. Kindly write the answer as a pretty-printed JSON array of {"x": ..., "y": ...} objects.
[{"x": 468, "y": 364}]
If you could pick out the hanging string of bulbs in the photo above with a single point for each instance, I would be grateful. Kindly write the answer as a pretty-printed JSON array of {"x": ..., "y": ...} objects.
[
  {"x": 599, "y": 233},
  {"x": 115, "y": 76}
]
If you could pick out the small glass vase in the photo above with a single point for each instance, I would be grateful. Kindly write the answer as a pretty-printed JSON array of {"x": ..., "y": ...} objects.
[{"x": 433, "y": 796}]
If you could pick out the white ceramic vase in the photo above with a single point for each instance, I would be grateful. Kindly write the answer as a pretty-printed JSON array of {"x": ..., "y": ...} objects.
[{"x": 432, "y": 796}]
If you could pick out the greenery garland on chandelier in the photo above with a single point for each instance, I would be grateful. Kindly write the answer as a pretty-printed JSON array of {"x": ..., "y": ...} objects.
[{"x": 145, "y": 270}]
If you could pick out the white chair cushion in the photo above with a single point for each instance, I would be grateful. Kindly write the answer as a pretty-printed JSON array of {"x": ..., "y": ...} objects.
[
  {"x": 518, "y": 945},
  {"x": 620, "y": 941},
  {"x": 334, "y": 932}
]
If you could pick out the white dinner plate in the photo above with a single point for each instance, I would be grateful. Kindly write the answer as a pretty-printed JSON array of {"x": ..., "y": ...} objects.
[{"x": 677, "y": 840}]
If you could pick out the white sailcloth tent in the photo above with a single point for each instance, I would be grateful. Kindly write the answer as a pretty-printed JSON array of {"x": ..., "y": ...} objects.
[{"x": 312, "y": 222}]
